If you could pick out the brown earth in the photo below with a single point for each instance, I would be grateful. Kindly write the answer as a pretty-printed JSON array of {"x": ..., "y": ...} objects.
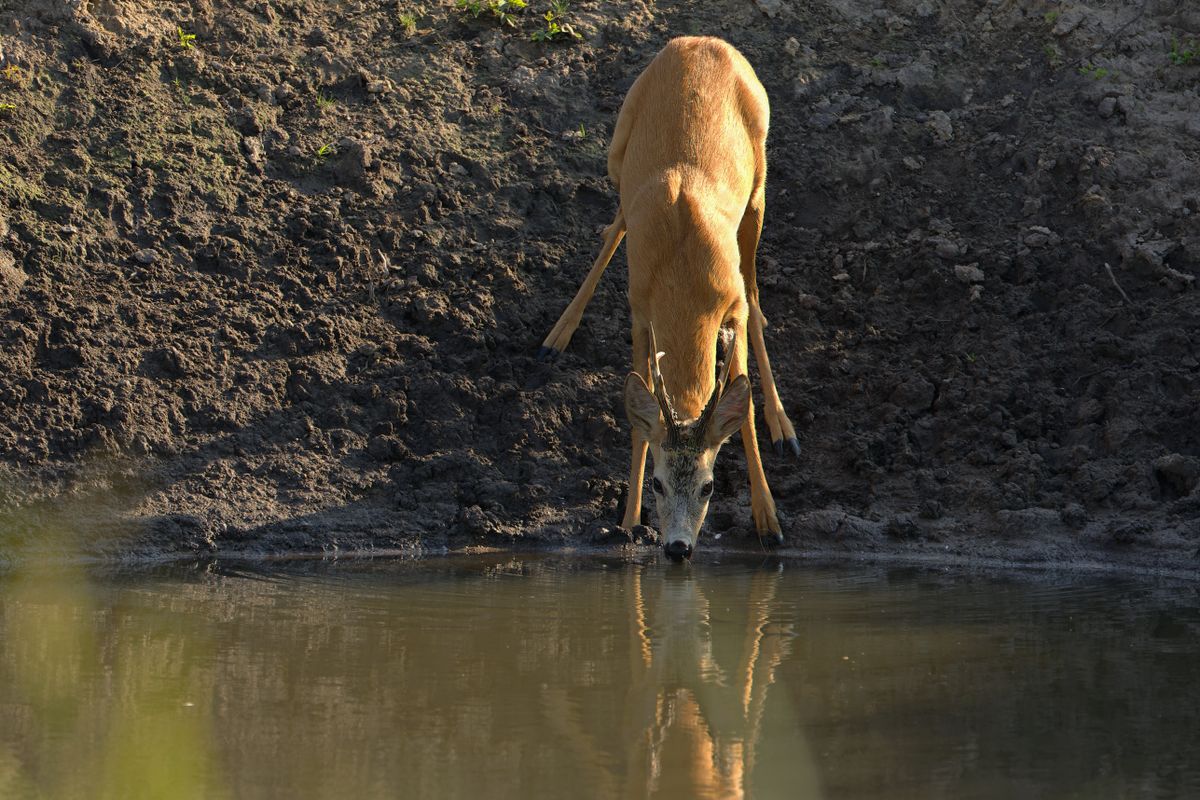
[{"x": 283, "y": 289}]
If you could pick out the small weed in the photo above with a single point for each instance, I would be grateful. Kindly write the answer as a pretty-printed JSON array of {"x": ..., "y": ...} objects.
[
  {"x": 970, "y": 358},
  {"x": 324, "y": 101},
  {"x": 1183, "y": 55},
  {"x": 1051, "y": 16},
  {"x": 501, "y": 10},
  {"x": 408, "y": 23},
  {"x": 186, "y": 40},
  {"x": 7, "y": 107},
  {"x": 1092, "y": 71},
  {"x": 582, "y": 131},
  {"x": 556, "y": 25},
  {"x": 876, "y": 62},
  {"x": 184, "y": 96},
  {"x": 1053, "y": 55},
  {"x": 323, "y": 152},
  {"x": 12, "y": 73}
]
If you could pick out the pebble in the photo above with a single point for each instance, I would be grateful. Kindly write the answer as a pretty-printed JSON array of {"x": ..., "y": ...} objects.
[
  {"x": 808, "y": 302},
  {"x": 968, "y": 273},
  {"x": 254, "y": 149},
  {"x": 945, "y": 248},
  {"x": 939, "y": 123},
  {"x": 770, "y": 7},
  {"x": 1040, "y": 236},
  {"x": 146, "y": 256}
]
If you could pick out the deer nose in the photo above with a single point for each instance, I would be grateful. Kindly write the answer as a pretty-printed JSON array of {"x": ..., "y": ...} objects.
[{"x": 678, "y": 550}]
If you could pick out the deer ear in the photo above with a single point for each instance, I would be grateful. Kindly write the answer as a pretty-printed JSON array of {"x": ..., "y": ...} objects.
[
  {"x": 730, "y": 413},
  {"x": 641, "y": 408}
]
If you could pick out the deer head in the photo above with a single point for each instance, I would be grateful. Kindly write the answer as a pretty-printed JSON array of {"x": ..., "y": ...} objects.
[{"x": 683, "y": 452}]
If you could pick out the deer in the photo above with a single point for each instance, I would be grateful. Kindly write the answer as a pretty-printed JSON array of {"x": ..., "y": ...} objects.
[{"x": 688, "y": 160}]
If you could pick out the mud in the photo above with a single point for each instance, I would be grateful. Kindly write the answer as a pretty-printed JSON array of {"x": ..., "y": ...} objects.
[{"x": 283, "y": 289}]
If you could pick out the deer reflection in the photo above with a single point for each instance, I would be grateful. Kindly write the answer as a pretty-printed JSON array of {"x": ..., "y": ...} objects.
[{"x": 702, "y": 659}]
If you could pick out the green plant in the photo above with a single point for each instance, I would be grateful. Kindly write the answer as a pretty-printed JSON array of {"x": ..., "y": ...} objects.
[
  {"x": 556, "y": 25},
  {"x": 186, "y": 40},
  {"x": 1051, "y": 16},
  {"x": 184, "y": 96},
  {"x": 7, "y": 107},
  {"x": 1182, "y": 55},
  {"x": 324, "y": 151},
  {"x": 408, "y": 23},
  {"x": 1092, "y": 71},
  {"x": 12, "y": 73},
  {"x": 324, "y": 101},
  {"x": 501, "y": 10},
  {"x": 1053, "y": 55}
]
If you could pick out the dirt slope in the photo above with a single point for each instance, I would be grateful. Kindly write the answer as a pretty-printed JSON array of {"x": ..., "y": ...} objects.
[{"x": 281, "y": 286}]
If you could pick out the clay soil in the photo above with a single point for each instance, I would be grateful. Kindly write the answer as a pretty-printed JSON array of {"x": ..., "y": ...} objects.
[{"x": 280, "y": 287}]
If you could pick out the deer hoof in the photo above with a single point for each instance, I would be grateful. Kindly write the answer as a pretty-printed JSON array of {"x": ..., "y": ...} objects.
[
  {"x": 778, "y": 445},
  {"x": 772, "y": 539},
  {"x": 794, "y": 443}
]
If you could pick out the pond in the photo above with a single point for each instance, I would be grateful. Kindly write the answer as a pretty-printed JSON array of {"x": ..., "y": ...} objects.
[{"x": 552, "y": 676}]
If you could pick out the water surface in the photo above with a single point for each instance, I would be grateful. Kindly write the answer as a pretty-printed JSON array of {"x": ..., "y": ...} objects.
[{"x": 565, "y": 677}]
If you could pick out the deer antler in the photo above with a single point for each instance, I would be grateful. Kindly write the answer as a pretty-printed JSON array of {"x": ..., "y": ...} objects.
[
  {"x": 719, "y": 387},
  {"x": 660, "y": 389}
]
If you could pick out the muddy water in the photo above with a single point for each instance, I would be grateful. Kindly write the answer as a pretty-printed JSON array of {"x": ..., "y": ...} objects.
[{"x": 551, "y": 677}]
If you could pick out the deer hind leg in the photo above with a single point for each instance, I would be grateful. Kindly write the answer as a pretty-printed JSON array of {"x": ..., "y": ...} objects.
[
  {"x": 561, "y": 334},
  {"x": 762, "y": 505},
  {"x": 778, "y": 424},
  {"x": 637, "y": 461}
]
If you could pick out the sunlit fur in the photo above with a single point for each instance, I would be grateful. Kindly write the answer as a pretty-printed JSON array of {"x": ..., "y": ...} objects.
[{"x": 689, "y": 158}]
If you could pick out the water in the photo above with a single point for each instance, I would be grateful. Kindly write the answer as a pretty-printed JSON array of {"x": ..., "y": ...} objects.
[{"x": 555, "y": 677}]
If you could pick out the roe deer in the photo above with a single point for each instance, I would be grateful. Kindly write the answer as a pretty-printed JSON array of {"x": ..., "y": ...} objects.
[{"x": 688, "y": 157}]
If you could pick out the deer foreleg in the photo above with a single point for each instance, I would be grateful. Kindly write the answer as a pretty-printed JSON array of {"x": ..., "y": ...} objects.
[
  {"x": 637, "y": 461},
  {"x": 778, "y": 424},
  {"x": 762, "y": 505}
]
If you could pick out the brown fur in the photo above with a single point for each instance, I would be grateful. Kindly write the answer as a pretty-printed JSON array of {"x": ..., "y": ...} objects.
[{"x": 689, "y": 159}]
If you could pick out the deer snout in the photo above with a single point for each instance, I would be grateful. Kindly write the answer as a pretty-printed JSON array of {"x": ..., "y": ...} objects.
[{"x": 677, "y": 550}]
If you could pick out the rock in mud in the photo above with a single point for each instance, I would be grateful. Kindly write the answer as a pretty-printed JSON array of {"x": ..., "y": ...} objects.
[
  {"x": 770, "y": 7},
  {"x": 968, "y": 273},
  {"x": 913, "y": 394},
  {"x": 12, "y": 278},
  {"x": 1177, "y": 475},
  {"x": 903, "y": 526},
  {"x": 356, "y": 160},
  {"x": 942, "y": 127}
]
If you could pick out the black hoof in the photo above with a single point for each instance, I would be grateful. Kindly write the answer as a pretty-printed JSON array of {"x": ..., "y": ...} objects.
[
  {"x": 772, "y": 539},
  {"x": 547, "y": 354},
  {"x": 778, "y": 445},
  {"x": 794, "y": 444}
]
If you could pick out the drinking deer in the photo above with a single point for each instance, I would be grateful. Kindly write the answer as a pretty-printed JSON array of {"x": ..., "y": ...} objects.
[{"x": 688, "y": 157}]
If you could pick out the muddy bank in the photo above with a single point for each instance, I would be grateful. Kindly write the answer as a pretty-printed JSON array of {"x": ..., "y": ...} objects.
[{"x": 280, "y": 286}]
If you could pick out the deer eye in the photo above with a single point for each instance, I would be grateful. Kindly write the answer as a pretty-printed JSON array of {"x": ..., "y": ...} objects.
[
  {"x": 658, "y": 487},
  {"x": 706, "y": 489}
]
